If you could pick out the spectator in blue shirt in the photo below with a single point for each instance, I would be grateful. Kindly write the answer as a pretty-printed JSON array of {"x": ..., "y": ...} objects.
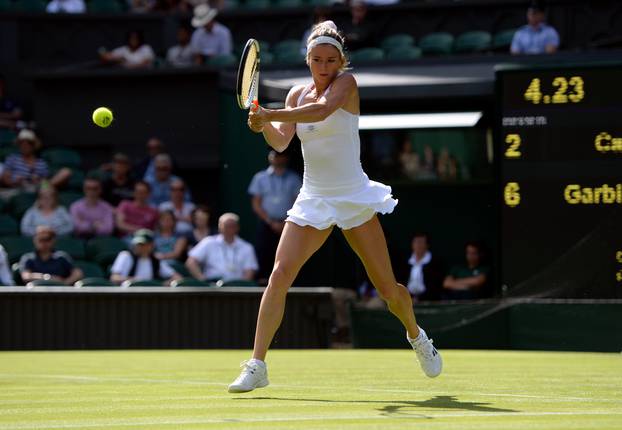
[
  {"x": 536, "y": 37},
  {"x": 273, "y": 192},
  {"x": 162, "y": 180}
]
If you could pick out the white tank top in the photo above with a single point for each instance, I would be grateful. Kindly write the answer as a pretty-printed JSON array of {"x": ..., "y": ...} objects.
[{"x": 331, "y": 150}]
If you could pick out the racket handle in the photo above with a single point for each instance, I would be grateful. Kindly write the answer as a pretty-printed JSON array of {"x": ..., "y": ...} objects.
[{"x": 254, "y": 105}]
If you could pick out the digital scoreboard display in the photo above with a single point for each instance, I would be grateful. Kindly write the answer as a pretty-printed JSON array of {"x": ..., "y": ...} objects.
[{"x": 559, "y": 146}]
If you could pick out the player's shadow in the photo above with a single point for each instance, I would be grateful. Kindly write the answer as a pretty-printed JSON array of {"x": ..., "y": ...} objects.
[{"x": 405, "y": 407}]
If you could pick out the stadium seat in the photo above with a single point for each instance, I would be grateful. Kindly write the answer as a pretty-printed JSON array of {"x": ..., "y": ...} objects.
[
  {"x": 289, "y": 57},
  {"x": 63, "y": 157},
  {"x": 5, "y": 151},
  {"x": 366, "y": 55},
  {"x": 503, "y": 40},
  {"x": 20, "y": 203},
  {"x": 237, "y": 283},
  {"x": 104, "y": 6},
  {"x": 286, "y": 45},
  {"x": 76, "y": 180},
  {"x": 404, "y": 53},
  {"x": 191, "y": 282},
  {"x": 222, "y": 60},
  {"x": 146, "y": 283},
  {"x": 16, "y": 246},
  {"x": 103, "y": 245},
  {"x": 437, "y": 44},
  {"x": 397, "y": 41},
  {"x": 90, "y": 269},
  {"x": 256, "y": 4},
  {"x": 180, "y": 268},
  {"x": 72, "y": 246},
  {"x": 267, "y": 57},
  {"x": 8, "y": 225},
  {"x": 4, "y": 206},
  {"x": 288, "y": 3},
  {"x": 94, "y": 282},
  {"x": 264, "y": 46},
  {"x": 45, "y": 283},
  {"x": 66, "y": 198},
  {"x": 32, "y": 6},
  {"x": 7, "y": 137},
  {"x": 473, "y": 41}
]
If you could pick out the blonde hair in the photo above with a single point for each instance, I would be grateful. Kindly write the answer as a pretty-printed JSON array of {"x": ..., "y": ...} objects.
[{"x": 328, "y": 29}]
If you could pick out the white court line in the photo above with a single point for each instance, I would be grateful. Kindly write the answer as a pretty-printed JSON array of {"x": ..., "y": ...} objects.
[
  {"x": 189, "y": 421},
  {"x": 380, "y": 390}
]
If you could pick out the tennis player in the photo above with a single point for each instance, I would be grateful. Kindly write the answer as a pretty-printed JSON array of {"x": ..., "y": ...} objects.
[{"x": 335, "y": 191}]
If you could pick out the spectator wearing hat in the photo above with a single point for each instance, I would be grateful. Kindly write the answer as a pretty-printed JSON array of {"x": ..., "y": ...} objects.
[
  {"x": 66, "y": 6},
  {"x": 210, "y": 37},
  {"x": 120, "y": 184},
  {"x": 536, "y": 37},
  {"x": 141, "y": 264},
  {"x": 47, "y": 263},
  {"x": 224, "y": 256},
  {"x": 46, "y": 211},
  {"x": 6, "y": 278},
  {"x": 25, "y": 170},
  {"x": 136, "y": 214},
  {"x": 135, "y": 55},
  {"x": 91, "y": 215}
]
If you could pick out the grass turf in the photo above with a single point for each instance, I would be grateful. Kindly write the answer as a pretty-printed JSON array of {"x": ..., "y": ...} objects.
[{"x": 327, "y": 389}]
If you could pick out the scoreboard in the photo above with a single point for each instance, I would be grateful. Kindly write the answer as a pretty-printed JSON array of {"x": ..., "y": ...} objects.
[{"x": 559, "y": 152}]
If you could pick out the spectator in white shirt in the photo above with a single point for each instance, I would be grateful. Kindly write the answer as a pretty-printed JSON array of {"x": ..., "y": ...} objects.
[
  {"x": 66, "y": 6},
  {"x": 224, "y": 256},
  {"x": 210, "y": 37},
  {"x": 180, "y": 55},
  {"x": 135, "y": 55},
  {"x": 6, "y": 278}
]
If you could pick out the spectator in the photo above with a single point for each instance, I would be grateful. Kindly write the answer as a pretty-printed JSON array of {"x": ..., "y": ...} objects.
[
  {"x": 409, "y": 160},
  {"x": 224, "y": 256},
  {"x": 91, "y": 215},
  {"x": 135, "y": 55},
  {"x": 428, "y": 165},
  {"x": 466, "y": 282},
  {"x": 210, "y": 37},
  {"x": 136, "y": 214},
  {"x": 181, "y": 55},
  {"x": 536, "y": 37},
  {"x": 426, "y": 275},
  {"x": 46, "y": 263},
  {"x": 25, "y": 170},
  {"x": 47, "y": 212},
  {"x": 145, "y": 169},
  {"x": 10, "y": 112},
  {"x": 446, "y": 166},
  {"x": 163, "y": 178},
  {"x": 181, "y": 209},
  {"x": 273, "y": 192},
  {"x": 66, "y": 6},
  {"x": 359, "y": 31},
  {"x": 200, "y": 225},
  {"x": 120, "y": 185},
  {"x": 320, "y": 14},
  {"x": 169, "y": 246},
  {"x": 6, "y": 278},
  {"x": 141, "y": 264},
  {"x": 140, "y": 6}
]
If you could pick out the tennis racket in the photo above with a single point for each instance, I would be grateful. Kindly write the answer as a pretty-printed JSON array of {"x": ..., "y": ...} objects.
[{"x": 247, "y": 86}]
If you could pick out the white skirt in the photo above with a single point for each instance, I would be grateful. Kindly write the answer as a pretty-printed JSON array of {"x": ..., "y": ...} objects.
[{"x": 344, "y": 210}]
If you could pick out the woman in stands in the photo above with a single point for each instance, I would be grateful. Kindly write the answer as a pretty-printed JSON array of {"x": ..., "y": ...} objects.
[{"x": 335, "y": 191}]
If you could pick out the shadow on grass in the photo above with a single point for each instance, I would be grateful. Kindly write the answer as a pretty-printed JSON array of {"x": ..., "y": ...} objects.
[{"x": 403, "y": 407}]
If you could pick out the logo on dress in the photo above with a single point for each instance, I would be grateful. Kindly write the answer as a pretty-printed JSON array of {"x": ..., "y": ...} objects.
[{"x": 311, "y": 128}]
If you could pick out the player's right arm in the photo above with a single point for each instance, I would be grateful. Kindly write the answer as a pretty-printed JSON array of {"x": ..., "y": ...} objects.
[{"x": 278, "y": 134}]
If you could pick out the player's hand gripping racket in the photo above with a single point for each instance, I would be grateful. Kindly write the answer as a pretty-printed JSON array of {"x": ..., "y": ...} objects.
[{"x": 247, "y": 86}]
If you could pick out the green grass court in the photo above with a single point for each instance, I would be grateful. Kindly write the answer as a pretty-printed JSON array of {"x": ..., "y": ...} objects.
[{"x": 318, "y": 389}]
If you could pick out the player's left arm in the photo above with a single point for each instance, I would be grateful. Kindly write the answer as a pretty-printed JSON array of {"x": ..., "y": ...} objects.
[{"x": 343, "y": 87}]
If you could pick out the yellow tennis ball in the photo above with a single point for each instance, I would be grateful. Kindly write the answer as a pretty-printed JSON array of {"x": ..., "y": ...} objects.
[{"x": 102, "y": 117}]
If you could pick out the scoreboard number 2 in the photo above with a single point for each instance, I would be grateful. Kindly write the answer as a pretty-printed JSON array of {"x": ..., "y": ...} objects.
[{"x": 514, "y": 142}]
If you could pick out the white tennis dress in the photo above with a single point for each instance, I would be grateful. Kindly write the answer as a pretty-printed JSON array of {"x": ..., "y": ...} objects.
[{"x": 335, "y": 190}]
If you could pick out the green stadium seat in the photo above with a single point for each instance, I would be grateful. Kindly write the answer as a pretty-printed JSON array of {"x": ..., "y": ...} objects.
[
  {"x": 66, "y": 198},
  {"x": 62, "y": 157},
  {"x": 5, "y": 151},
  {"x": 397, "y": 41},
  {"x": 288, "y": 3},
  {"x": 404, "y": 53},
  {"x": 237, "y": 283},
  {"x": 366, "y": 55},
  {"x": 473, "y": 41},
  {"x": 76, "y": 180},
  {"x": 94, "y": 282},
  {"x": 257, "y": 4},
  {"x": 7, "y": 137},
  {"x": 289, "y": 57},
  {"x": 4, "y": 206},
  {"x": 8, "y": 225},
  {"x": 98, "y": 246},
  {"x": 104, "y": 6},
  {"x": 222, "y": 60},
  {"x": 180, "y": 268},
  {"x": 72, "y": 246},
  {"x": 502, "y": 40},
  {"x": 16, "y": 246},
  {"x": 264, "y": 46},
  {"x": 20, "y": 203},
  {"x": 267, "y": 57},
  {"x": 145, "y": 283},
  {"x": 286, "y": 45},
  {"x": 30, "y": 6},
  {"x": 90, "y": 269},
  {"x": 231, "y": 4},
  {"x": 437, "y": 44},
  {"x": 191, "y": 282},
  {"x": 45, "y": 283}
]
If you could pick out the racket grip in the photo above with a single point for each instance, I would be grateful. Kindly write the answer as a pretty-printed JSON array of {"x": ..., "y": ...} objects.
[{"x": 254, "y": 105}]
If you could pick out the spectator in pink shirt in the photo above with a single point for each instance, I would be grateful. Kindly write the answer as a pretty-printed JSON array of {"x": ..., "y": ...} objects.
[
  {"x": 135, "y": 214},
  {"x": 91, "y": 215}
]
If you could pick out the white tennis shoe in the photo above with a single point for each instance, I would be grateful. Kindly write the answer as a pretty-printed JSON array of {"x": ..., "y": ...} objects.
[
  {"x": 254, "y": 375},
  {"x": 429, "y": 358}
]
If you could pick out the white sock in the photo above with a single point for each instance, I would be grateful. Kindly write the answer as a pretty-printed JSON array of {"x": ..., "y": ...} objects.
[
  {"x": 418, "y": 338},
  {"x": 257, "y": 362}
]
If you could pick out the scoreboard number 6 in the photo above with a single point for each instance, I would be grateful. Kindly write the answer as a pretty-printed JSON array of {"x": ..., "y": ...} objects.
[
  {"x": 514, "y": 142},
  {"x": 511, "y": 194}
]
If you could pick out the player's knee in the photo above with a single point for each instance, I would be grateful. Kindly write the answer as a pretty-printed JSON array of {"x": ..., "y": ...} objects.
[
  {"x": 282, "y": 276},
  {"x": 388, "y": 292}
]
